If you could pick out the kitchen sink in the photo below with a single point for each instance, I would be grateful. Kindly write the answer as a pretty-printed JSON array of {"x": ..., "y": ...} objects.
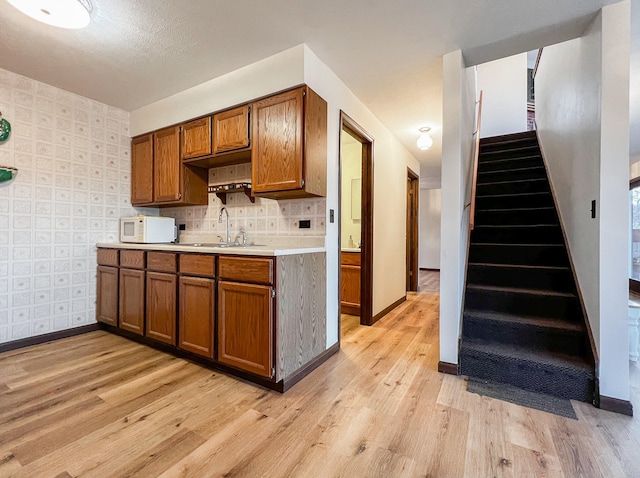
[{"x": 220, "y": 244}]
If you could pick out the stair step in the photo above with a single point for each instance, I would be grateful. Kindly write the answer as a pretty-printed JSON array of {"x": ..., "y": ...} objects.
[
  {"x": 551, "y": 373},
  {"x": 522, "y": 301},
  {"x": 507, "y": 138},
  {"x": 515, "y": 151},
  {"x": 540, "y": 333},
  {"x": 522, "y": 162},
  {"x": 512, "y": 174},
  {"x": 522, "y": 254},
  {"x": 518, "y": 234},
  {"x": 521, "y": 276},
  {"x": 535, "y": 185},
  {"x": 515, "y": 216},
  {"x": 514, "y": 200}
]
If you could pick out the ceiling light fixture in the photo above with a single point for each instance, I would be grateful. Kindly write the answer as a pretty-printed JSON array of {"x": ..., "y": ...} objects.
[
  {"x": 424, "y": 141},
  {"x": 59, "y": 13}
]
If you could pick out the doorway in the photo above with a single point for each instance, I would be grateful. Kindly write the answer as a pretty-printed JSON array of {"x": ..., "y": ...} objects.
[
  {"x": 413, "y": 190},
  {"x": 356, "y": 220}
]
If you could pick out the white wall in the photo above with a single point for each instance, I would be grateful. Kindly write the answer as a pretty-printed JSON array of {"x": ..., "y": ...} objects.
[
  {"x": 504, "y": 98},
  {"x": 457, "y": 146},
  {"x": 287, "y": 69},
  {"x": 582, "y": 112},
  {"x": 73, "y": 184},
  {"x": 429, "y": 234}
]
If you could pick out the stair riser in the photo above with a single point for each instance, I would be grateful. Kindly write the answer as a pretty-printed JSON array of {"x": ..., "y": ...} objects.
[
  {"x": 535, "y": 216},
  {"x": 518, "y": 235},
  {"x": 503, "y": 202},
  {"x": 508, "y": 154},
  {"x": 513, "y": 188},
  {"x": 527, "y": 375},
  {"x": 508, "y": 137},
  {"x": 526, "y": 336},
  {"x": 511, "y": 175},
  {"x": 524, "y": 162},
  {"x": 487, "y": 144},
  {"x": 514, "y": 254},
  {"x": 558, "y": 280},
  {"x": 520, "y": 303}
]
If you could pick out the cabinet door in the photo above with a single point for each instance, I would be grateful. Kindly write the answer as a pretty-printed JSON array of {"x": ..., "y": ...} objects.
[
  {"x": 196, "y": 138},
  {"x": 161, "y": 307},
  {"x": 350, "y": 289},
  {"x": 231, "y": 129},
  {"x": 107, "y": 295},
  {"x": 245, "y": 327},
  {"x": 276, "y": 158},
  {"x": 196, "y": 315},
  {"x": 142, "y": 170},
  {"x": 132, "y": 300},
  {"x": 167, "y": 170}
]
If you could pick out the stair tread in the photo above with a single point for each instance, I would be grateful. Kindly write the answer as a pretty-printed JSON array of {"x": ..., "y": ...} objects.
[
  {"x": 494, "y": 161},
  {"x": 512, "y": 170},
  {"x": 511, "y": 226},
  {"x": 505, "y": 138},
  {"x": 510, "y": 244},
  {"x": 521, "y": 290},
  {"x": 519, "y": 266},
  {"x": 521, "y": 209},
  {"x": 505, "y": 195},
  {"x": 514, "y": 181},
  {"x": 544, "y": 322},
  {"x": 506, "y": 351},
  {"x": 533, "y": 147}
]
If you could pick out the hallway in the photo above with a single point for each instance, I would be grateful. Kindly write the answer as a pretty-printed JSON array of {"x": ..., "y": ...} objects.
[{"x": 378, "y": 408}]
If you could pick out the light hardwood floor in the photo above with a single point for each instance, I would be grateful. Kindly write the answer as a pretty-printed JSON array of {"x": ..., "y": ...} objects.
[{"x": 100, "y": 406}]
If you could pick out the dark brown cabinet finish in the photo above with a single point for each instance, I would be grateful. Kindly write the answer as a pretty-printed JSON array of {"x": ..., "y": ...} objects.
[
  {"x": 161, "y": 307},
  {"x": 245, "y": 327},
  {"x": 196, "y": 138},
  {"x": 107, "y": 295},
  {"x": 142, "y": 170},
  {"x": 132, "y": 298},
  {"x": 289, "y": 150},
  {"x": 196, "y": 315},
  {"x": 231, "y": 130}
]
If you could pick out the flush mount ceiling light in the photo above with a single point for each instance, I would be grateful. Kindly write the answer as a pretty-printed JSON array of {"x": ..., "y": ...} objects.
[
  {"x": 424, "y": 141},
  {"x": 59, "y": 13}
]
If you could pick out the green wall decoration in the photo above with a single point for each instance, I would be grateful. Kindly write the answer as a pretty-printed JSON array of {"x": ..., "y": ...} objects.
[{"x": 5, "y": 129}]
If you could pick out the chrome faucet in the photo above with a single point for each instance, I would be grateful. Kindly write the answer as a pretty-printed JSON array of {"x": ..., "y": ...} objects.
[{"x": 224, "y": 209}]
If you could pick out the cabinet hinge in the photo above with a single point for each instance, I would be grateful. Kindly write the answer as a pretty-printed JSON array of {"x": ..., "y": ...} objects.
[
  {"x": 303, "y": 183},
  {"x": 273, "y": 293},
  {"x": 273, "y": 371}
]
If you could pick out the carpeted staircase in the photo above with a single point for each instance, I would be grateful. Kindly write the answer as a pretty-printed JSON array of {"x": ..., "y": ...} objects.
[{"x": 523, "y": 324}]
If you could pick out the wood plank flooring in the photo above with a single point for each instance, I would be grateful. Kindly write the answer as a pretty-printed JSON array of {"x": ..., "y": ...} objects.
[{"x": 98, "y": 405}]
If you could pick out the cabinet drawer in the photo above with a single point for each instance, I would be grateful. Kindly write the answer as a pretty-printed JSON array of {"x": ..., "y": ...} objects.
[
  {"x": 132, "y": 259},
  {"x": 108, "y": 257},
  {"x": 244, "y": 269},
  {"x": 198, "y": 264},
  {"x": 161, "y": 261},
  {"x": 350, "y": 258}
]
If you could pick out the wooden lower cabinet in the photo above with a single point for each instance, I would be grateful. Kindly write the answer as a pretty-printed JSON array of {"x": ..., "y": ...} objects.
[
  {"x": 107, "y": 295},
  {"x": 196, "y": 315},
  {"x": 161, "y": 307},
  {"x": 245, "y": 327},
  {"x": 132, "y": 300},
  {"x": 350, "y": 283}
]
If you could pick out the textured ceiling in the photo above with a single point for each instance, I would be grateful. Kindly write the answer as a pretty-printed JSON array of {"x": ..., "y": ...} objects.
[{"x": 387, "y": 52}]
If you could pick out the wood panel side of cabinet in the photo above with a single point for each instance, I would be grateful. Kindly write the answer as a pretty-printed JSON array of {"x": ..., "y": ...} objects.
[
  {"x": 167, "y": 166},
  {"x": 107, "y": 295},
  {"x": 196, "y": 316},
  {"x": 245, "y": 327},
  {"x": 276, "y": 157},
  {"x": 196, "y": 138},
  {"x": 231, "y": 130},
  {"x": 315, "y": 144},
  {"x": 142, "y": 169},
  {"x": 132, "y": 298},
  {"x": 161, "y": 307}
]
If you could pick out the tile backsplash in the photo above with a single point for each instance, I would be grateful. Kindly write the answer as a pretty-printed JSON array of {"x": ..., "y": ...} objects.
[
  {"x": 264, "y": 217},
  {"x": 72, "y": 185}
]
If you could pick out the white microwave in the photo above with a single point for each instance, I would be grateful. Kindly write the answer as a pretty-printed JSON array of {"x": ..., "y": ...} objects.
[{"x": 147, "y": 229}]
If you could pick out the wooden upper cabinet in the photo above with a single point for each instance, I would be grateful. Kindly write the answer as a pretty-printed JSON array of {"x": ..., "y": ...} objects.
[
  {"x": 289, "y": 151},
  {"x": 196, "y": 138},
  {"x": 142, "y": 170},
  {"x": 167, "y": 177},
  {"x": 231, "y": 130}
]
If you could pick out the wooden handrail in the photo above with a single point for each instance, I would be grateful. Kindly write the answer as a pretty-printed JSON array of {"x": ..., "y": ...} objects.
[{"x": 475, "y": 166}]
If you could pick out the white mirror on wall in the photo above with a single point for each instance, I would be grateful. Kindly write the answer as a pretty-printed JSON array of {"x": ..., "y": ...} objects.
[{"x": 356, "y": 195}]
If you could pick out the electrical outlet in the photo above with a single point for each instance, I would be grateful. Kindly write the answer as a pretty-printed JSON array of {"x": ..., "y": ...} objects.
[
  {"x": 304, "y": 224},
  {"x": 331, "y": 219}
]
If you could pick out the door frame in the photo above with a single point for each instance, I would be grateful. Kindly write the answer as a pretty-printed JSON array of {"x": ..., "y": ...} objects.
[
  {"x": 366, "y": 254},
  {"x": 413, "y": 191}
]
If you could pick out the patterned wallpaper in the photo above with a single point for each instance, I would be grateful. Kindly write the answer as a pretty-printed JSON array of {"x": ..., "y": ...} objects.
[
  {"x": 73, "y": 184},
  {"x": 265, "y": 217}
]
